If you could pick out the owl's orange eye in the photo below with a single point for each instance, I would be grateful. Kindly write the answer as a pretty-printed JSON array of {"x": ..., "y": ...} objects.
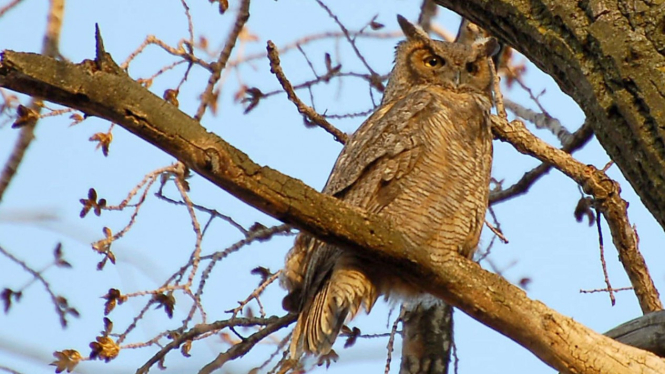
[{"x": 434, "y": 61}]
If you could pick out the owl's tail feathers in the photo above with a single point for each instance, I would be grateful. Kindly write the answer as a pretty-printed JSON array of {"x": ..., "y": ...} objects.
[
  {"x": 427, "y": 336},
  {"x": 321, "y": 320}
]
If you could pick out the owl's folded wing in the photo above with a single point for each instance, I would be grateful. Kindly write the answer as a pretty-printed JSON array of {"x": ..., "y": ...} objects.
[{"x": 385, "y": 147}]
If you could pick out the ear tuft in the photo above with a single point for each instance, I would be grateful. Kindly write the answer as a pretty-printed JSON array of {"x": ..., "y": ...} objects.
[
  {"x": 411, "y": 31},
  {"x": 486, "y": 47}
]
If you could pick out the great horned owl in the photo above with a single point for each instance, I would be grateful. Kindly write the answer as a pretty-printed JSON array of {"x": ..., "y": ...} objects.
[{"x": 422, "y": 160}]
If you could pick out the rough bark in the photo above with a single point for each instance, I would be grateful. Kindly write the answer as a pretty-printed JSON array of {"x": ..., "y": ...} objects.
[
  {"x": 608, "y": 56},
  {"x": 427, "y": 330},
  {"x": 99, "y": 89}
]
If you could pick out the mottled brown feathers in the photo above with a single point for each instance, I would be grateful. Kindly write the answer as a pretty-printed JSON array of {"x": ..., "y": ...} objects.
[{"x": 422, "y": 160}]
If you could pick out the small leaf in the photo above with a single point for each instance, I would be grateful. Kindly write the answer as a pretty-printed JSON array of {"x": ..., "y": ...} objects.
[
  {"x": 108, "y": 326},
  {"x": 73, "y": 312},
  {"x": 585, "y": 208},
  {"x": 76, "y": 119},
  {"x": 524, "y": 282},
  {"x": 6, "y": 297},
  {"x": 66, "y": 360},
  {"x": 26, "y": 116},
  {"x": 165, "y": 300},
  {"x": 104, "y": 349},
  {"x": 253, "y": 97},
  {"x": 92, "y": 203},
  {"x": 171, "y": 96},
  {"x": 103, "y": 141},
  {"x": 59, "y": 261},
  {"x": 264, "y": 273},
  {"x": 376, "y": 25},
  {"x": 331, "y": 70},
  {"x": 113, "y": 298},
  {"x": 203, "y": 42},
  {"x": 223, "y": 5},
  {"x": 185, "y": 348},
  {"x": 353, "y": 337}
]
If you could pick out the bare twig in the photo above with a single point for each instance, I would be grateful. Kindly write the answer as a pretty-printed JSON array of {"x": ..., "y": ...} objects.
[
  {"x": 180, "y": 52},
  {"x": 607, "y": 290},
  {"x": 272, "y": 324},
  {"x": 348, "y": 37},
  {"x": 59, "y": 302},
  {"x": 307, "y": 111},
  {"x": 311, "y": 38},
  {"x": 602, "y": 259},
  {"x": 391, "y": 340},
  {"x": 496, "y": 232},
  {"x": 213, "y": 212},
  {"x": 9, "y": 6},
  {"x": 243, "y": 347},
  {"x": 498, "y": 96},
  {"x": 255, "y": 295},
  {"x": 220, "y": 64}
]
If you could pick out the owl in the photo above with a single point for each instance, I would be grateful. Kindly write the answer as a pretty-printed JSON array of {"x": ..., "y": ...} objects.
[{"x": 422, "y": 161}]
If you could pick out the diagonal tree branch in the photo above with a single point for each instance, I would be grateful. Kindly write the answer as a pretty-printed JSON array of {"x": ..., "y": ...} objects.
[{"x": 554, "y": 338}]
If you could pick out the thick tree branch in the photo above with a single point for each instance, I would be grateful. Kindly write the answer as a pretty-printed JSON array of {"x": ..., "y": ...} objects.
[
  {"x": 556, "y": 339},
  {"x": 607, "y": 55}
]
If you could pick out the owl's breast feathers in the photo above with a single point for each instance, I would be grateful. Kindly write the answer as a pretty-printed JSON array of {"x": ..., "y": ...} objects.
[{"x": 423, "y": 162}]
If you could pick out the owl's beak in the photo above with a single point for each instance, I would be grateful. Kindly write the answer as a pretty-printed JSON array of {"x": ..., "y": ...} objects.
[{"x": 457, "y": 77}]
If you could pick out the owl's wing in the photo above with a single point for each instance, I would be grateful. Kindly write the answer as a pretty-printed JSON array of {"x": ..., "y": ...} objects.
[{"x": 392, "y": 132}]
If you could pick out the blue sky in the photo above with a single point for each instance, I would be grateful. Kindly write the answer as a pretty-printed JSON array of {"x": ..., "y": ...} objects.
[{"x": 547, "y": 245}]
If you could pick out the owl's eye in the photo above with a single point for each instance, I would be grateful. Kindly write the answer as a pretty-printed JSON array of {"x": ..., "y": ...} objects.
[
  {"x": 434, "y": 61},
  {"x": 471, "y": 68}
]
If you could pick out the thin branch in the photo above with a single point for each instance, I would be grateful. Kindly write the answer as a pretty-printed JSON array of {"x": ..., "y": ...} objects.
[
  {"x": 60, "y": 307},
  {"x": 212, "y": 212},
  {"x": 243, "y": 347},
  {"x": 607, "y": 290},
  {"x": 27, "y": 131},
  {"x": 9, "y": 7},
  {"x": 602, "y": 259},
  {"x": 391, "y": 340},
  {"x": 496, "y": 89},
  {"x": 305, "y": 110},
  {"x": 496, "y": 232},
  {"x": 311, "y": 38},
  {"x": 348, "y": 37},
  {"x": 220, "y": 64},
  {"x": 272, "y": 324}
]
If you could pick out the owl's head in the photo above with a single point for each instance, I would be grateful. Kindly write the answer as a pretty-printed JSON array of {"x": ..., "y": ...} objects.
[{"x": 453, "y": 66}]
